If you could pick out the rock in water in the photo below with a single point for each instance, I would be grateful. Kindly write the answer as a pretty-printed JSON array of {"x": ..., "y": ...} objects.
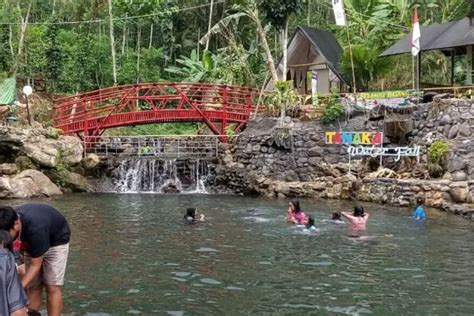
[
  {"x": 459, "y": 194},
  {"x": 28, "y": 184},
  {"x": 75, "y": 182}
]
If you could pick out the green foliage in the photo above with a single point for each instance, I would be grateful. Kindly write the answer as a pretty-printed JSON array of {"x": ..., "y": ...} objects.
[
  {"x": 333, "y": 111},
  {"x": 437, "y": 152},
  {"x": 277, "y": 12},
  {"x": 229, "y": 131},
  {"x": 53, "y": 133},
  {"x": 367, "y": 66},
  {"x": 53, "y": 54},
  {"x": 156, "y": 129}
]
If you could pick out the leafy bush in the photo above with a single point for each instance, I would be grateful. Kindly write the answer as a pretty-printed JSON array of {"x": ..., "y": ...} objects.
[
  {"x": 333, "y": 112},
  {"x": 437, "y": 152}
]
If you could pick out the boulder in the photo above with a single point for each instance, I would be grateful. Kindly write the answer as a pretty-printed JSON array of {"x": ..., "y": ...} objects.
[
  {"x": 28, "y": 184},
  {"x": 456, "y": 163},
  {"x": 75, "y": 182},
  {"x": 91, "y": 161},
  {"x": 459, "y": 194},
  {"x": 43, "y": 153},
  {"x": 71, "y": 149},
  {"x": 464, "y": 130},
  {"x": 315, "y": 152},
  {"x": 8, "y": 168},
  {"x": 446, "y": 119},
  {"x": 453, "y": 132},
  {"x": 458, "y": 176}
]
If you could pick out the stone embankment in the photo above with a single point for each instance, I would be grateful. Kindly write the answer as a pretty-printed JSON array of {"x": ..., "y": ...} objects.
[
  {"x": 37, "y": 162},
  {"x": 295, "y": 160}
]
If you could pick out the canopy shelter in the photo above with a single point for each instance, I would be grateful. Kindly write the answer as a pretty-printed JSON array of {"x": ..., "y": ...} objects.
[
  {"x": 452, "y": 38},
  {"x": 313, "y": 57}
]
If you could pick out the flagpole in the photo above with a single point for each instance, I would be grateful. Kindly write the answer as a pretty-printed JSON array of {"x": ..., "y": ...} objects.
[{"x": 413, "y": 72}]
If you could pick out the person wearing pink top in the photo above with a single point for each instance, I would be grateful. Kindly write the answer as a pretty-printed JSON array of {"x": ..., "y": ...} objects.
[
  {"x": 358, "y": 218},
  {"x": 295, "y": 214}
]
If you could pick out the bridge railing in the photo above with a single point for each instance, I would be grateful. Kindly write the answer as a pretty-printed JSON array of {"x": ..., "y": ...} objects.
[
  {"x": 154, "y": 146},
  {"x": 151, "y": 97}
]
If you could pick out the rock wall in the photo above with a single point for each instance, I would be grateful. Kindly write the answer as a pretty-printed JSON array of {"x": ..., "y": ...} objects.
[
  {"x": 38, "y": 162},
  {"x": 295, "y": 161}
]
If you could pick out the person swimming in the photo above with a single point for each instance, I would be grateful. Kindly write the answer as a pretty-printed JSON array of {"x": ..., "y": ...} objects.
[
  {"x": 358, "y": 218},
  {"x": 190, "y": 216},
  {"x": 419, "y": 212},
  {"x": 295, "y": 214},
  {"x": 310, "y": 224}
]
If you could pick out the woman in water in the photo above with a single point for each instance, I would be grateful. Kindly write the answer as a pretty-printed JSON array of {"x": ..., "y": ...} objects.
[
  {"x": 419, "y": 212},
  {"x": 191, "y": 214},
  {"x": 295, "y": 214},
  {"x": 358, "y": 218}
]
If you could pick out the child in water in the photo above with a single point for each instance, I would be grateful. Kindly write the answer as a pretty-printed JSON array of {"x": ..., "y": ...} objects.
[
  {"x": 358, "y": 218},
  {"x": 335, "y": 218},
  {"x": 191, "y": 214},
  {"x": 419, "y": 212},
  {"x": 295, "y": 214},
  {"x": 310, "y": 224}
]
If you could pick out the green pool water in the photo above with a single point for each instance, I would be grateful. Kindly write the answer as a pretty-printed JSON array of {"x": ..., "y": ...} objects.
[{"x": 131, "y": 254}]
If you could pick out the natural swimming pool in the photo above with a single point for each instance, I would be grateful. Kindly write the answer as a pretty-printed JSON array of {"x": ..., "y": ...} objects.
[{"x": 131, "y": 254}]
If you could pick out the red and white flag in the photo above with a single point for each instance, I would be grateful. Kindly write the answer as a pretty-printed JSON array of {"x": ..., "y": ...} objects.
[{"x": 415, "y": 41}]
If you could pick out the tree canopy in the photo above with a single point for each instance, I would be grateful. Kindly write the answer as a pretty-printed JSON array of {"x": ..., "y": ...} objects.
[{"x": 69, "y": 42}]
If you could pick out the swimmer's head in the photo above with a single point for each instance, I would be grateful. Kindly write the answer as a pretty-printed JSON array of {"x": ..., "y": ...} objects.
[
  {"x": 190, "y": 212},
  {"x": 295, "y": 206},
  {"x": 336, "y": 216},
  {"x": 358, "y": 211},
  {"x": 310, "y": 222},
  {"x": 420, "y": 201}
]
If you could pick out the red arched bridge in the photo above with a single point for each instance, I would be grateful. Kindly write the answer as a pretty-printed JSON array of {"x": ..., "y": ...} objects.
[{"x": 93, "y": 112}]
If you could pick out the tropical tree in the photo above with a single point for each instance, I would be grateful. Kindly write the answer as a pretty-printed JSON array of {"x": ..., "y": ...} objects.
[{"x": 367, "y": 66}]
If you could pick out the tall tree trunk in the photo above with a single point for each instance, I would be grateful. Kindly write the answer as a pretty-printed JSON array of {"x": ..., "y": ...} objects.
[
  {"x": 263, "y": 37},
  {"x": 138, "y": 53},
  {"x": 209, "y": 24},
  {"x": 151, "y": 36},
  {"x": 124, "y": 32},
  {"x": 112, "y": 42},
  {"x": 285, "y": 51},
  {"x": 21, "y": 42},
  {"x": 10, "y": 41}
]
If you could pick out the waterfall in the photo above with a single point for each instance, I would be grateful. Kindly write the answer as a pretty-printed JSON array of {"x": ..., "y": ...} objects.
[{"x": 161, "y": 176}]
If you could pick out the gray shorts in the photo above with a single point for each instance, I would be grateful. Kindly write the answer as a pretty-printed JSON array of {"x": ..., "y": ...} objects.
[{"x": 54, "y": 266}]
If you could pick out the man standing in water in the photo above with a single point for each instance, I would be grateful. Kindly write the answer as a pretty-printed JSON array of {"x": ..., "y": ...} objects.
[{"x": 44, "y": 234}]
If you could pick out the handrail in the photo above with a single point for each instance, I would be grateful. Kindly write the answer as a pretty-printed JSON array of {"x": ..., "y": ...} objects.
[{"x": 92, "y": 112}]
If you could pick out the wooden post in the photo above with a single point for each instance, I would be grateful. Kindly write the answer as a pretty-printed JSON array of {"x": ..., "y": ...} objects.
[
  {"x": 452, "y": 68},
  {"x": 469, "y": 64},
  {"x": 418, "y": 75}
]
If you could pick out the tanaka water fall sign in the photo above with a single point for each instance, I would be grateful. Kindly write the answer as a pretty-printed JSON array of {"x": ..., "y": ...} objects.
[{"x": 354, "y": 138}]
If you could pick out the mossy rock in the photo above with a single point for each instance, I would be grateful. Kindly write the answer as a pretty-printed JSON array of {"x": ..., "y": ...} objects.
[{"x": 24, "y": 163}]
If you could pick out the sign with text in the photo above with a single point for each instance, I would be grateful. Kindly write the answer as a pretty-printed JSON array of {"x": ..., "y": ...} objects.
[
  {"x": 354, "y": 138},
  {"x": 373, "y": 151}
]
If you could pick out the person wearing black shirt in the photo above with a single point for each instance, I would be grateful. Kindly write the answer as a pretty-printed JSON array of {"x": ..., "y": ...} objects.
[{"x": 44, "y": 235}]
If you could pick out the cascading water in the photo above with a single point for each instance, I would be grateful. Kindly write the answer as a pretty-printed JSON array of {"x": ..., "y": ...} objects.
[{"x": 161, "y": 176}]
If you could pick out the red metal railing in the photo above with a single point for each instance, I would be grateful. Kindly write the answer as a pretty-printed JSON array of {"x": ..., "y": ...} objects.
[{"x": 92, "y": 112}]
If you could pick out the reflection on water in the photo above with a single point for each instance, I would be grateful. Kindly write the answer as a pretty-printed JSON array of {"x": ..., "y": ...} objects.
[{"x": 131, "y": 254}]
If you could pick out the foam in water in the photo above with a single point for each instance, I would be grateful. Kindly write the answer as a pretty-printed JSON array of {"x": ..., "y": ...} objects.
[{"x": 161, "y": 176}]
